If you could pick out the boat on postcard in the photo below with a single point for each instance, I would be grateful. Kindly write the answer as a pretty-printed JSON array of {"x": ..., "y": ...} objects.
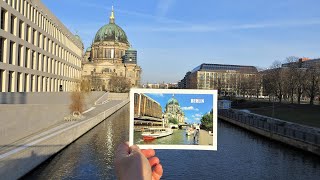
[{"x": 154, "y": 133}]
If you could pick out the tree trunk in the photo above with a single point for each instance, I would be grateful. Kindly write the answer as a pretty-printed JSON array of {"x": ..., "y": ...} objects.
[
  {"x": 311, "y": 100},
  {"x": 292, "y": 95},
  {"x": 299, "y": 95}
]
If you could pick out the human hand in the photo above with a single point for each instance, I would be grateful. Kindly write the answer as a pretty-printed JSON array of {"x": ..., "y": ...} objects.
[{"x": 132, "y": 163}]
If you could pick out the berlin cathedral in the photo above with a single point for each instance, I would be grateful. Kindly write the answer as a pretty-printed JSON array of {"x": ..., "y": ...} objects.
[{"x": 110, "y": 55}]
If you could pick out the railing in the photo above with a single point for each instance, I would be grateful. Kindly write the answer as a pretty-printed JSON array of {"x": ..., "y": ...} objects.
[{"x": 286, "y": 129}]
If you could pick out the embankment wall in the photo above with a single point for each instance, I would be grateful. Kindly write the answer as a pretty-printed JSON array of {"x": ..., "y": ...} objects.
[{"x": 302, "y": 137}]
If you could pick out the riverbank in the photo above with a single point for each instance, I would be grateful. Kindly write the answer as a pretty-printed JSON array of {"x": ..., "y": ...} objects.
[
  {"x": 299, "y": 136},
  {"x": 21, "y": 157}
]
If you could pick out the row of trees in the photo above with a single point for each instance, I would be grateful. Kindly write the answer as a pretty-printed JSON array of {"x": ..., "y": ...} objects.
[
  {"x": 116, "y": 84},
  {"x": 293, "y": 81}
]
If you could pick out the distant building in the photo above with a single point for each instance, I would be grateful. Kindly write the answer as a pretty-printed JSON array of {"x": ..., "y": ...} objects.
[
  {"x": 303, "y": 63},
  {"x": 173, "y": 111},
  {"x": 160, "y": 86},
  {"x": 110, "y": 55},
  {"x": 37, "y": 52},
  {"x": 223, "y": 77}
]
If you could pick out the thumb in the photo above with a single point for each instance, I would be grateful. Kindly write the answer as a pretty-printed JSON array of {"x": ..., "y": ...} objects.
[{"x": 122, "y": 151}]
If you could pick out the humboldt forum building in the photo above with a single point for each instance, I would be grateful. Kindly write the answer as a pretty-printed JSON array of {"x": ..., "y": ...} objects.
[{"x": 37, "y": 52}]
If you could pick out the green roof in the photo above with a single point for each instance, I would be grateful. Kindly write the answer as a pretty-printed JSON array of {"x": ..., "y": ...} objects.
[
  {"x": 111, "y": 32},
  {"x": 88, "y": 49}
]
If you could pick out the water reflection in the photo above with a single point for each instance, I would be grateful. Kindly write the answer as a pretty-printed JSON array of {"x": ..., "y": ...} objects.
[{"x": 240, "y": 155}]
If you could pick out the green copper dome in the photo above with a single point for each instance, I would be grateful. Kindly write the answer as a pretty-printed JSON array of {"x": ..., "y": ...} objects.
[
  {"x": 173, "y": 101},
  {"x": 111, "y": 32},
  {"x": 79, "y": 38},
  {"x": 88, "y": 49}
]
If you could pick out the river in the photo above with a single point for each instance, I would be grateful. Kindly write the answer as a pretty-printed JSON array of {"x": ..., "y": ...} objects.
[{"x": 240, "y": 155}]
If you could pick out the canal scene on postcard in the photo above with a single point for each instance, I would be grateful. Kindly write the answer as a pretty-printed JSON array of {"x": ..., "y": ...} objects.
[{"x": 174, "y": 118}]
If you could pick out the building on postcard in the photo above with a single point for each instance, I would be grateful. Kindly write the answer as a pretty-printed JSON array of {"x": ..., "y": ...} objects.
[
  {"x": 173, "y": 112},
  {"x": 110, "y": 55},
  {"x": 37, "y": 52}
]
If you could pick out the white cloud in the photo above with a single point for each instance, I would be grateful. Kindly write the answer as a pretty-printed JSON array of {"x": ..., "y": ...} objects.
[
  {"x": 157, "y": 94},
  {"x": 197, "y": 115},
  {"x": 197, "y": 119},
  {"x": 191, "y": 28},
  {"x": 190, "y": 108}
]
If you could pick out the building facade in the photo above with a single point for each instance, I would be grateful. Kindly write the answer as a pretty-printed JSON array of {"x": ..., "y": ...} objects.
[
  {"x": 303, "y": 63},
  {"x": 37, "y": 52},
  {"x": 173, "y": 111},
  {"x": 225, "y": 78},
  {"x": 110, "y": 55}
]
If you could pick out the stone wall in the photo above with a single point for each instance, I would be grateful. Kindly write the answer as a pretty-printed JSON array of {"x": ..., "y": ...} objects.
[
  {"x": 39, "y": 111},
  {"x": 303, "y": 137}
]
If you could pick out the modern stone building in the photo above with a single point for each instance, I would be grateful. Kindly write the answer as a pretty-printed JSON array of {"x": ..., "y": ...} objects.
[
  {"x": 173, "y": 111},
  {"x": 110, "y": 55},
  {"x": 37, "y": 52},
  {"x": 226, "y": 78}
]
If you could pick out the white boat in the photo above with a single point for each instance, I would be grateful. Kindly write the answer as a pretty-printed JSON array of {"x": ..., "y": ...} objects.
[{"x": 154, "y": 133}]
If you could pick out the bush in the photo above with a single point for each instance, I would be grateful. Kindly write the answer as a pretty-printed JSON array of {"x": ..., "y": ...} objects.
[{"x": 77, "y": 101}]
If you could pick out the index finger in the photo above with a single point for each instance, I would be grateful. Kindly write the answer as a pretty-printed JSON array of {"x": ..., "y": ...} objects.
[{"x": 148, "y": 153}]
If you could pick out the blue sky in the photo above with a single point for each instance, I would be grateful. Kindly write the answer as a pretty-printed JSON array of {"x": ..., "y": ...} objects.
[
  {"x": 193, "y": 111},
  {"x": 174, "y": 36}
]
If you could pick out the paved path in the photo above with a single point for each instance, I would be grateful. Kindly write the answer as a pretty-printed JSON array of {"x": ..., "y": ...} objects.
[{"x": 7, "y": 150}]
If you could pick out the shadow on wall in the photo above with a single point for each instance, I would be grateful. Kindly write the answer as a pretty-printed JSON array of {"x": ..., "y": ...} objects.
[
  {"x": 13, "y": 98},
  {"x": 8, "y": 167}
]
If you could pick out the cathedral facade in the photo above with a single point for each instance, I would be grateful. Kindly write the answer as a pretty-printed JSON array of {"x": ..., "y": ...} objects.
[
  {"x": 110, "y": 55},
  {"x": 173, "y": 111}
]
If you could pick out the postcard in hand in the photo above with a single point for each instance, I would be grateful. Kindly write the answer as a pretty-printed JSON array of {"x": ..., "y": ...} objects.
[{"x": 173, "y": 119}]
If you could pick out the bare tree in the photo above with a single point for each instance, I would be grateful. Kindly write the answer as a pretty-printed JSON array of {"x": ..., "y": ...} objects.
[
  {"x": 300, "y": 83},
  {"x": 312, "y": 80},
  {"x": 119, "y": 84},
  {"x": 289, "y": 76}
]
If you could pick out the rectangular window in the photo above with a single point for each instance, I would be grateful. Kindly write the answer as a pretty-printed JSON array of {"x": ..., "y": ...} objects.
[
  {"x": 34, "y": 37},
  {"x": 20, "y": 28},
  {"x": 12, "y": 24},
  {"x": 1, "y": 48},
  {"x": 26, "y": 58},
  {"x": 10, "y": 81},
  {"x": 28, "y": 33},
  {"x": 18, "y": 82},
  {"x": 19, "y": 55},
  {"x": 11, "y": 52},
  {"x": 25, "y": 82},
  {"x": 1, "y": 79},
  {"x": 3, "y": 19},
  {"x": 39, "y": 37},
  {"x": 31, "y": 83},
  {"x": 32, "y": 60}
]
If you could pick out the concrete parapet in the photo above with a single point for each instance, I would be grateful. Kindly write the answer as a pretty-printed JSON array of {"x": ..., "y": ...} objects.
[
  {"x": 21, "y": 159},
  {"x": 300, "y": 136},
  {"x": 37, "y": 112},
  {"x": 45, "y": 97}
]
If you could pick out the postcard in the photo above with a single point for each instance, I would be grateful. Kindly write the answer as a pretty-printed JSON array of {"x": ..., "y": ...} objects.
[{"x": 173, "y": 119}]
